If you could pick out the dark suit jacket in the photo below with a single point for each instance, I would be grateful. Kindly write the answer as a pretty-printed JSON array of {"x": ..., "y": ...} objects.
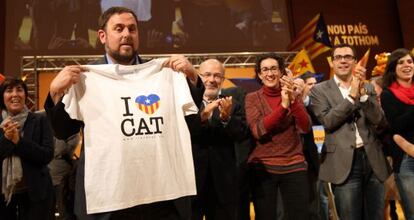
[
  {"x": 400, "y": 117},
  {"x": 214, "y": 151},
  {"x": 338, "y": 115},
  {"x": 64, "y": 127},
  {"x": 35, "y": 150},
  {"x": 244, "y": 145},
  {"x": 310, "y": 150}
]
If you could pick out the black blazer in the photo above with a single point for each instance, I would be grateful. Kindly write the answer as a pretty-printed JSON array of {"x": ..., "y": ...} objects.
[
  {"x": 310, "y": 150},
  {"x": 214, "y": 150},
  {"x": 35, "y": 150},
  {"x": 400, "y": 117},
  {"x": 64, "y": 127},
  {"x": 245, "y": 144}
]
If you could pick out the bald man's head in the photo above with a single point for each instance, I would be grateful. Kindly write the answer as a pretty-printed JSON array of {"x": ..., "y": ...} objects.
[
  {"x": 212, "y": 74},
  {"x": 212, "y": 62}
]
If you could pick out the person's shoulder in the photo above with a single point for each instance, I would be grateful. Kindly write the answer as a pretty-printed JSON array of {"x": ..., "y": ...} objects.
[
  {"x": 324, "y": 84},
  {"x": 254, "y": 94}
]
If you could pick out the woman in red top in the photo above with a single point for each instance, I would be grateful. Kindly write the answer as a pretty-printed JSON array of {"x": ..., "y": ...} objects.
[
  {"x": 397, "y": 101},
  {"x": 277, "y": 117}
]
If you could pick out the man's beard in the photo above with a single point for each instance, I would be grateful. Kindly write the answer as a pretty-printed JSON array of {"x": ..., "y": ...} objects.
[{"x": 122, "y": 58}]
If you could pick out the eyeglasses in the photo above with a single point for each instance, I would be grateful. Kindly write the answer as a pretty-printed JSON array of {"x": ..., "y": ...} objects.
[
  {"x": 273, "y": 69},
  {"x": 215, "y": 75},
  {"x": 347, "y": 57}
]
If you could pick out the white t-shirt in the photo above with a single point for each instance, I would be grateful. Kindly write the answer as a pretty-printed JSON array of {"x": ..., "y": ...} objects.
[{"x": 137, "y": 143}]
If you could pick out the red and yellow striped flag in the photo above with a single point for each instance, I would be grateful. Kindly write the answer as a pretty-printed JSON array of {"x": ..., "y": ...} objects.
[{"x": 313, "y": 37}]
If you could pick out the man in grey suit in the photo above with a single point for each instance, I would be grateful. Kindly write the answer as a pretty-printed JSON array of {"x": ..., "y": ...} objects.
[{"x": 354, "y": 162}]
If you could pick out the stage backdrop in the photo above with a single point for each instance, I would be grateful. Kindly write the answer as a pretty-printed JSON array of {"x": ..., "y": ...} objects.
[
  {"x": 364, "y": 24},
  {"x": 54, "y": 27},
  {"x": 406, "y": 16}
]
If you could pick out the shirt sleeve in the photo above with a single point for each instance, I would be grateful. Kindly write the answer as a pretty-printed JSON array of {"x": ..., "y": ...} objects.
[
  {"x": 182, "y": 94},
  {"x": 71, "y": 100}
]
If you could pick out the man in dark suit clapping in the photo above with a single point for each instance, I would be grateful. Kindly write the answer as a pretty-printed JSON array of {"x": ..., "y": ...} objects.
[{"x": 223, "y": 125}]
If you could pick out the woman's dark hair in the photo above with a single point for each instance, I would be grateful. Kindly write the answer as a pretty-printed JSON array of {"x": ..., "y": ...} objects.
[
  {"x": 389, "y": 75},
  {"x": 260, "y": 58},
  {"x": 307, "y": 75},
  {"x": 10, "y": 83}
]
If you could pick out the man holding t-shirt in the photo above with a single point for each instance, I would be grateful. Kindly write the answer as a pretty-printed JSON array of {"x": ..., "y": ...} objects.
[{"x": 119, "y": 33}]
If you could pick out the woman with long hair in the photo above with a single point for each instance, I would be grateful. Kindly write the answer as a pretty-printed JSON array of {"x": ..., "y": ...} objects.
[{"x": 397, "y": 101}]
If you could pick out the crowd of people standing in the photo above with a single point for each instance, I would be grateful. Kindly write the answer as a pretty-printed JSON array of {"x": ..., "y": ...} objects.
[{"x": 202, "y": 151}]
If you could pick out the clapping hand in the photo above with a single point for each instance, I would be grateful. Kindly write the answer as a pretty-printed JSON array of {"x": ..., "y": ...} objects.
[
  {"x": 299, "y": 88},
  {"x": 287, "y": 92},
  {"x": 225, "y": 106},
  {"x": 358, "y": 81},
  {"x": 11, "y": 130},
  {"x": 208, "y": 110}
]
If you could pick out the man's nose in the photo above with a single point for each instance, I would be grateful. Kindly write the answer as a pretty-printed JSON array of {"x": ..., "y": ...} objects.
[
  {"x": 126, "y": 32},
  {"x": 211, "y": 80}
]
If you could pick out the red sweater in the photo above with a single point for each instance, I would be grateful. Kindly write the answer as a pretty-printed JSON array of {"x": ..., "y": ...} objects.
[
  {"x": 277, "y": 131},
  {"x": 274, "y": 119}
]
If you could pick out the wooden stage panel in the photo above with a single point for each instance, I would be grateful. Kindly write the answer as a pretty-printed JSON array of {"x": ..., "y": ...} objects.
[{"x": 44, "y": 80}]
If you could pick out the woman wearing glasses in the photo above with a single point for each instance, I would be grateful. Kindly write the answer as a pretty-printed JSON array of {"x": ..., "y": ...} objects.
[
  {"x": 277, "y": 117},
  {"x": 397, "y": 100}
]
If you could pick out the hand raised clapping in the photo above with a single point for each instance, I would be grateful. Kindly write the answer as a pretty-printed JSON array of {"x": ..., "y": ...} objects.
[
  {"x": 287, "y": 93},
  {"x": 357, "y": 83},
  {"x": 224, "y": 105},
  {"x": 11, "y": 130}
]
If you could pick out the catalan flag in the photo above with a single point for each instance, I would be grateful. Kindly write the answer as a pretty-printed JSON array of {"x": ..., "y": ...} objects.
[
  {"x": 313, "y": 37},
  {"x": 301, "y": 64},
  {"x": 148, "y": 104}
]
